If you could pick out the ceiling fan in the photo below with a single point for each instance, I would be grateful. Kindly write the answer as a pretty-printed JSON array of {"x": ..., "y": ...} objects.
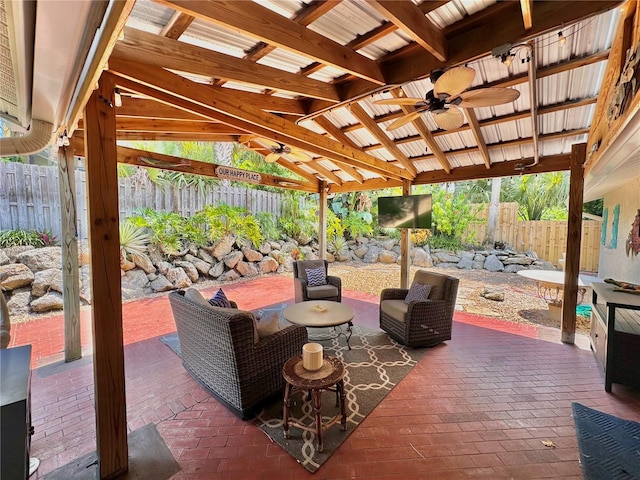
[
  {"x": 272, "y": 151},
  {"x": 447, "y": 95}
]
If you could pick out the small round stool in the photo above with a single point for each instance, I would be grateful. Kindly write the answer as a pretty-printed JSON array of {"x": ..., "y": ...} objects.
[{"x": 328, "y": 377}]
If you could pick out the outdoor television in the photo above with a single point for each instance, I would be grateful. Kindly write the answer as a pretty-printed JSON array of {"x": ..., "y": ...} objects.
[{"x": 413, "y": 211}]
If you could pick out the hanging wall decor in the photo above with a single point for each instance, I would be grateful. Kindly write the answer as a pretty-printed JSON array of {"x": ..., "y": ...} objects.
[{"x": 632, "y": 245}]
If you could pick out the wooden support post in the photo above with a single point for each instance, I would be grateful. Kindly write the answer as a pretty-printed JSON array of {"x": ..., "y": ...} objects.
[
  {"x": 69, "y": 241},
  {"x": 322, "y": 226},
  {"x": 574, "y": 232},
  {"x": 108, "y": 361},
  {"x": 405, "y": 236}
]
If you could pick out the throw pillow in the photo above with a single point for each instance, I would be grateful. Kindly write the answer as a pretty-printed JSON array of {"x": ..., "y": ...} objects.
[
  {"x": 196, "y": 297},
  {"x": 220, "y": 300},
  {"x": 316, "y": 276},
  {"x": 268, "y": 325},
  {"x": 417, "y": 293}
]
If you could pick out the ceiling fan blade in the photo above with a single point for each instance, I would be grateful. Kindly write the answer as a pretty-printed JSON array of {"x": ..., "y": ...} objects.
[
  {"x": 267, "y": 142},
  {"x": 272, "y": 157},
  {"x": 488, "y": 97},
  {"x": 399, "y": 101},
  {"x": 454, "y": 81},
  {"x": 450, "y": 120},
  {"x": 409, "y": 117},
  {"x": 300, "y": 156}
]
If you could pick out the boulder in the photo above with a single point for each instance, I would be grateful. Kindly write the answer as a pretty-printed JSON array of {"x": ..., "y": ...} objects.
[
  {"x": 232, "y": 259},
  {"x": 265, "y": 248},
  {"x": 288, "y": 246},
  {"x": 360, "y": 251},
  {"x": 46, "y": 280},
  {"x": 206, "y": 256},
  {"x": 201, "y": 266},
  {"x": 421, "y": 258},
  {"x": 466, "y": 263},
  {"x": 190, "y": 270},
  {"x": 216, "y": 270},
  {"x": 275, "y": 245},
  {"x": 252, "y": 255},
  {"x": 492, "y": 264},
  {"x": 135, "y": 279},
  {"x": 518, "y": 260},
  {"x": 161, "y": 284},
  {"x": 344, "y": 257},
  {"x": 131, "y": 293},
  {"x": 478, "y": 257},
  {"x": 247, "y": 269},
  {"x": 447, "y": 265},
  {"x": 372, "y": 255},
  {"x": 13, "y": 252},
  {"x": 229, "y": 276},
  {"x": 308, "y": 253},
  {"x": 362, "y": 240},
  {"x": 16, "y": 275},
  {"x": 18, "y": 304},
  {"x": 446, "y": 257},
  {"x": 385, "y": 256},
  {"x": 513, "y": 268},
  {"x": 51, "y": 301},
  {"x": 41, "y": 258},
  {"x": 164, "y": 267},
  {"x": 192, "y": 249},
  {"x": 4, "y": 258},
  {"x": 268, "y": 265},
  {"x": 155, "y": 254},
  {"x": 144, "y": 262},
  {"x": 389, "y": 244},
  {"x": 223, "y": 247},
  {"x": 493, "y": 293},
  {"x": 329, "y": 258},
  {"x": 466, "y": 255},
  {"x": 178, "y": 277},
  {"x": 478, "y": 265}
]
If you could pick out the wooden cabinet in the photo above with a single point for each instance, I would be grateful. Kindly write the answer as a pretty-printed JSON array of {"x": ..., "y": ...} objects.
[
  {"x": 15, "y": 416},
  {"x": 615, "y": 334}
]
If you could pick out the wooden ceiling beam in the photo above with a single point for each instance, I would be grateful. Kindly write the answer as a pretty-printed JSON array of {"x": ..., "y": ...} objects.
[
  {"x": 337, "y": 134},
  {"x": 325, "y": 172},
  {"x": 126, "y": 124},
  {"x": 177, "y": 25},
  {"x": 171, "y": 137},
  {"x": 477, "y": 134},
  {"x": 268, "y": 26},
  {"x": 146, "y": 48},
  {"x": 410, "y": 19},
  {"x": 526, "y": 6},
  {"x": 291, "y": 166},
  {"x": 373, "y": 128},
  {"x": 170, "y": 88}
]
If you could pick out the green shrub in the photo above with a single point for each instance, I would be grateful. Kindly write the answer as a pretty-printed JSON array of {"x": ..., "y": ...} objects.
[
  {"x": 133, "y": 240},
  {"x": 357, "y": 225},
  {"x": 224, "y": 219},
  {"x": 419, "y": 238},
  {"x": 447, "y": 242},
  {"x": 268, "y": 225},
  {"x": 334, "y": 225},
  {"x": 17, "y": 238},
  {"x": 296, "y": 222},
  {"x": 165, "y": 228},
  {"x": 338, "y": 246}
]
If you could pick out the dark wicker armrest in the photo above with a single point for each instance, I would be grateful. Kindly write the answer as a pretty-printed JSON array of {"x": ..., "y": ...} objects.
[
  {"x": 233, "y": 304},
  {"x": 421, "y": 311},
  {"x": 335, "y": 281},
  {"x": 280, "y": 346},
  {"x": 393, "y": 294}
]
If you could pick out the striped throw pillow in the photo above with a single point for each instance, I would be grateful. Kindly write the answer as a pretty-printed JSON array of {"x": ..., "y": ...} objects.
[
  {"x": 316, "y": 276},
  {"x": 417, "y": 293},
  {"x": 220, "y": 300}
]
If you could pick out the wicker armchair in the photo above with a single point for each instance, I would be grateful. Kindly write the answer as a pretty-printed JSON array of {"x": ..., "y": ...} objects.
[
  {"x": 219, "y": 350},
  {"x": 331, "y": 291},
  {"x": 420, "y": 324}
]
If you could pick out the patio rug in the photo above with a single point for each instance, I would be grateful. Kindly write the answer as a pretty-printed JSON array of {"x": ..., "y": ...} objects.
[
  {"x": 373, "y": 367},
  {"x": 609, "y": 446}
]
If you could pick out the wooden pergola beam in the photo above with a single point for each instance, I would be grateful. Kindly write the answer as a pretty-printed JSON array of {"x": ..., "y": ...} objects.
[
  {"x": 526, "y": 6},
  {"x": 177, "y": 25},
  {"x": 477, "y": 134}
]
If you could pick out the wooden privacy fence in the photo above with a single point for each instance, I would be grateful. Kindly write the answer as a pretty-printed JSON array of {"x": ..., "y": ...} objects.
[
  {"x": 547, "y": 238},
  {"x": 30, "y": 199}
]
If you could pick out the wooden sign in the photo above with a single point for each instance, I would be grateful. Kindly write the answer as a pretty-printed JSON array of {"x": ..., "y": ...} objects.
[{"x": 231, "y": 173}]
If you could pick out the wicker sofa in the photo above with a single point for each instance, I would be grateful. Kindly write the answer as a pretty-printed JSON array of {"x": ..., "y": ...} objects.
[
  {"x": 219, "y": 350},
  {"x": 424, "y": 323}
]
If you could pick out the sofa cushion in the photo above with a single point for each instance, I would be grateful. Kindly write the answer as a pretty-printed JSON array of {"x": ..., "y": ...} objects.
[
  {"x": 436, "y": 281},
  {"x": 417, "y": 293},
  {"x": 268, "y": 325},
  {"x": 322, "y": 291},
  {"x": 316, "y": 276},
  {"x": 395, "y": 308},
  {"x": 220, "y": 300}
]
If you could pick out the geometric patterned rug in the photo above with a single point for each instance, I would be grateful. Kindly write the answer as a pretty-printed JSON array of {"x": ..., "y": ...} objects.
[
  {"x": 374, "y": 365},
  {"x": 609, "y": 446}
]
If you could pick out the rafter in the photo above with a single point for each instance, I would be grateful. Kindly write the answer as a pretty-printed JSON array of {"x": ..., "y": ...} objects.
[
  {"x": 477, "y": 134},
  {"x": 126, "y": 124},
  {"x": 266, "y": 25},
  {"x": 337, "y": 134},
  {"x": 289, "y": 165},
  {"x": 144, "y": 47},
  {"x": 368, "y": 122},
  {"x": 410, "y": 19},
  {"x": 526, "y": 6},
  {"x": 325, "y": 172},
  {"x": 177, "y": 25},
  {"x": 173, "y": 89}
]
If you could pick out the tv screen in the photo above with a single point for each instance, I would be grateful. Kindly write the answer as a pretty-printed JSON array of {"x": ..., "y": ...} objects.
[{"x": 412, "y": 211}]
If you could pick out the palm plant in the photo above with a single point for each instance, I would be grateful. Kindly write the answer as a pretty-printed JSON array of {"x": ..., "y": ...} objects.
[{"x": 133, "y": 241}]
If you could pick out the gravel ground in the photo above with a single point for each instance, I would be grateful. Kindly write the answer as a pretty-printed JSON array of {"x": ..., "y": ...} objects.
[{"x": 521, "y": 303}]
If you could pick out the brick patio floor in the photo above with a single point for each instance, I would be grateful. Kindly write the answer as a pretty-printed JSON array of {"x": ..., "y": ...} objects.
[{"x": 478, "y": 406}]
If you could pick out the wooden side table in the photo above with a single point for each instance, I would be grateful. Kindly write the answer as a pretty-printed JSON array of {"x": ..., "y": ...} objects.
[{"x": 329, "y": 377}]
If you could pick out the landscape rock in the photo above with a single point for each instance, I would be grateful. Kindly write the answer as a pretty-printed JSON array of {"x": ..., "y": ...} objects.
[
  {"x": 268, "y": 265},
  {"x": 126, "y": 265},
  {"x": 206, "y": 256},
  {"x": 155, "y": 254},
  {"x": 493, "y": 293},
  {"x": 275, "y": 245},
  {"x": 13, "y": 252},
  {"x": 308, "y": 253},
  {"x": 4, "y": 258},
  {"x": 247, "y": 269},
  {"x": 131, "y": 293},
  {"x": 51, "y": 301},
  {"x": 178, "y": 277},
  {"x": 144, "y": 262},
  {"x": 518, "y": 260},
  {"x": 223, "y": 247},
  {"x": 201, "y": 266},
  {"x": 265, "y": 248},
  {"x": 360, "y": 252},
  {"x": 16, "y": 276},
  {"x": 385, "y": 256},
  {"x": 330, "y": 257},
  {"x": 161, "y": 284},
  {"x": 448, "y": 265},
  {"x": 372, "y": 255},
  {"x": 45, "y": 280},
  {"x": 232, "y": 259},
  {"x": 18, "y": 304},
  {"x": 41, "y": 258},
  {"x": 513, "y": 268},
  {"x": 445, "y": 257},
  {"x": 389, "y": 244},
  {"x": 229, "y": 276},
  {"x": 252, "y": 255},
  {"x": 422, "y": 259},
  {"x": 216, "y": 270},
  {"x": 164, "y": 267},
  {"x": 492, "y": 264},
  {"x": 466, "y": 263},
  {"x": 190, "y": 270},
  {"x": 135, "y": 278},
  {"x": 476, "y": 265}
]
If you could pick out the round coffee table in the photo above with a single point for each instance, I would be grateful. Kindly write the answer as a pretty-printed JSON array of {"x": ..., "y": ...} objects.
[
  {"x": 322, "y": 314},
  {"x": 329, "y": 377}
]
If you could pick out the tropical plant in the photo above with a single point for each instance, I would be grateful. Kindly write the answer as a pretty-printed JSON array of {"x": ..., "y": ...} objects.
[
  {"x": 166, "y": 228},
  {"x": 268, "y": 225},
  {"x": 133, "y": 240},
  {"x": 446, "y": 242},
  {"x": 536, "y": 194},
  {"x": 48, "y": 238},
  {"x": 15, "y": 238},
  {"x": 334, "y": 225},
  {"x": 338, "y": 246},
  {"x": 224, "y": 219},
  {"x": 354, "y": 210},
  {"x": 297, "y": 222},
  {"x": 452, "y": 214},
  {"x": 419, "y": 238},
  {"x": 358, "y": 225}
]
